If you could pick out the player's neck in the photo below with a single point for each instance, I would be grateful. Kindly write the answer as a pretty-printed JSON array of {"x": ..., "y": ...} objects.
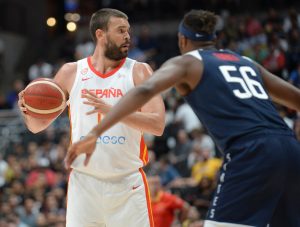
[
  {"x": 103, "y": 64},
  {"x": 207, "y": 47}
]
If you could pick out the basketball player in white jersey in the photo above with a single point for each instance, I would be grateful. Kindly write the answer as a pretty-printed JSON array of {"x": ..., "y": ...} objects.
[{"x": 111, "y": 190}]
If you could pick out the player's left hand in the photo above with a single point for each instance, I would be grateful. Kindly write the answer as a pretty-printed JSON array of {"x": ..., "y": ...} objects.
[
  {"x": 99, "y": 105},
  {"x": 85, "y": 146}
]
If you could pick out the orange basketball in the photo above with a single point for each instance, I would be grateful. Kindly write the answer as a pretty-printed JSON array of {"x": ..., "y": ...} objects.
[{"x": 44, "y": 98}]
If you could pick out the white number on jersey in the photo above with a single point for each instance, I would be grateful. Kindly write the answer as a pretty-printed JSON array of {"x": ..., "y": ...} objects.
[{"x": 249, "y": 87}]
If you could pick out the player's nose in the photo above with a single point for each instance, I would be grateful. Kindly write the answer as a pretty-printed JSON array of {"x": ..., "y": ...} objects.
[{"x": 127, "y": 36}]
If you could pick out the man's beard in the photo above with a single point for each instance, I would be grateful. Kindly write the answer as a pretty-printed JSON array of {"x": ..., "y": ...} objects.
[{"x": 114, "y": 52}]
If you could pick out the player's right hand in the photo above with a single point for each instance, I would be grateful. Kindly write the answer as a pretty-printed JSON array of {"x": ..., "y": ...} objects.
[
  {"x": 21, "y": 103},
  {"x": 85, "y": 146}
]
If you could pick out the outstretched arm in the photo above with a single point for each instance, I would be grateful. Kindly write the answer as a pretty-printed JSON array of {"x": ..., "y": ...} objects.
[
  {"x": 171, "y": 73},
  {"x": 150, "y": 118},
  {"x": 167, "y": 76}
]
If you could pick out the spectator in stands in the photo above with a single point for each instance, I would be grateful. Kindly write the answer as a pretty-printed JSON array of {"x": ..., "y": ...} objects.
[
  {"x": 200, "y": 139},
  {"x": 203, "y": 164},
  {"x": 152, "y": 168},
  {"x": 252, "y": 26},
  {"x": 84, "y": 49},
  {"x": 292, "y": 21},
  {"x": 14, "y": 170},
  {"x": 206, "y": 165},
  {"x": 12, "y": 96},
  {"x": 275, "y": 61},
  {"x": 165, "y": 205},
  {"x": 201, "y": 195},
  {"x": 41, "y": 220},
  {"x": 167, "y": 172},
  {"x": 193, "y": 218},
  {"x": 2, "y": 54},
  {"x": 273, "y": 22},
  {"x": 293, "y": 54},
  {"x": 41, "y": 177},
  {"x": 187, "y": 117},
  {"x": 135, "y": 52},
  {"x": 40, "y": 69},
  {"x": 294, "y": 77},
  {"x": 3, "y": 103},
  {"x": 28, "y": 213},
  {"x": 179, "y": 154},
  {"x": 147, "y": 43},
  {"x": 3, "y": 169}
]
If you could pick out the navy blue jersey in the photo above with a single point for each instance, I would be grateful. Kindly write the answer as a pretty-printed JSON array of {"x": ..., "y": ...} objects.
[{"x": 230, "y": 99}]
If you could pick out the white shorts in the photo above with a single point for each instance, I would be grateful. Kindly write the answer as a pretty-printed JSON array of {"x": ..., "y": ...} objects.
[{"x": 96, "y": 203}]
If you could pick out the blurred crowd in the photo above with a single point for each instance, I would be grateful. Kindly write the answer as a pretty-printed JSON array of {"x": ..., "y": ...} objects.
[{"x": 184, "y": 162}]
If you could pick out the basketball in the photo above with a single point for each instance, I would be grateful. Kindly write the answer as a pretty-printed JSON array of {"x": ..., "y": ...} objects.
[{"x": 44, "y": 98}]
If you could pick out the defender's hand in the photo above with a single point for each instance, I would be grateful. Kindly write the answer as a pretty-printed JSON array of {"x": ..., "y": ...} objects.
[
  {"x": 85, "y": 146},
  {"x": 99, "y": 105}
]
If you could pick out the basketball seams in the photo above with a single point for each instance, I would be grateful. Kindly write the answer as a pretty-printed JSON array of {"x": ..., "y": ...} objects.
[
  {"x": 48, "y": 83},
  {"x": 45, "y": 111}
]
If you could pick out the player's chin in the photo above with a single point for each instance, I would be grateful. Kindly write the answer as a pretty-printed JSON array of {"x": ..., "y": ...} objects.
[{"x": 124, "y": 53}]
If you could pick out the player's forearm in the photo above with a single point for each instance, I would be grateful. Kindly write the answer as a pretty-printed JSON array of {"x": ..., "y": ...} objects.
[
  {"x": 126, "y": 106},
  {"x": 151, "y": 123},
  {"x": 36, "y": 125}
]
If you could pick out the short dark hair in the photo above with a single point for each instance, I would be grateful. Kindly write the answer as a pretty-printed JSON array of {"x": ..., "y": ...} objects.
[
  {"x": 100, "y": 19},
  {"x": 200, "y": 21}
]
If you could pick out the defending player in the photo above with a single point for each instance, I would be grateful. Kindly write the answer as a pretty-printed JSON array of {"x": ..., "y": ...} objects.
[{"x": 232, "y": 96}]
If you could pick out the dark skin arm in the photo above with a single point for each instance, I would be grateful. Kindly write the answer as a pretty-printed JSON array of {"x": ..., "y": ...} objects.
[
  {"x": 280, "y": 91},
  {"x": 175, "y": 72},
  {"x": 183, "y": 73}
]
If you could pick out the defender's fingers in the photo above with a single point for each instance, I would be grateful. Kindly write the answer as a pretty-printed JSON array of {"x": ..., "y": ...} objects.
[
  {"x": 69, "y": 160},
  {"x": 92, "y": 94},
  {"x": 92, "y": 112},
  {"x": 90, "y": 103},
  {"x": 70, "y": 155},
  {"x": 89, "y": 97},
  {"x": 87, "y": 159}
]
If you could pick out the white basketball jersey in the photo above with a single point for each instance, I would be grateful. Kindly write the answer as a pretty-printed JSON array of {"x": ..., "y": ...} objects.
[{"x": 120, "y": 150}]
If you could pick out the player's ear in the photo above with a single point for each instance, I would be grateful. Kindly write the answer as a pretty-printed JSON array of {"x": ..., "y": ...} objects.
[
  {"x": 182, "y": 41},
  {"x": 99, "y": 33}
]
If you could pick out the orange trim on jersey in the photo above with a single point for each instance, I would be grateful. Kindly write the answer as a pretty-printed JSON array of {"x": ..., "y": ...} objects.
[
  {"x": 105, "y": 75},
  {"x": 68, "y": 187},
  {"x": 99, "y": 118},
  {"x": 148, "y": 198},
  {"x": 143, "y": 151},
  {"x": 70, "y": 119}
]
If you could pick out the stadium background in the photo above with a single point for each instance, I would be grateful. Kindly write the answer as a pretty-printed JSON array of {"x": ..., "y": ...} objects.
[{"x": 38, "y": 36}]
